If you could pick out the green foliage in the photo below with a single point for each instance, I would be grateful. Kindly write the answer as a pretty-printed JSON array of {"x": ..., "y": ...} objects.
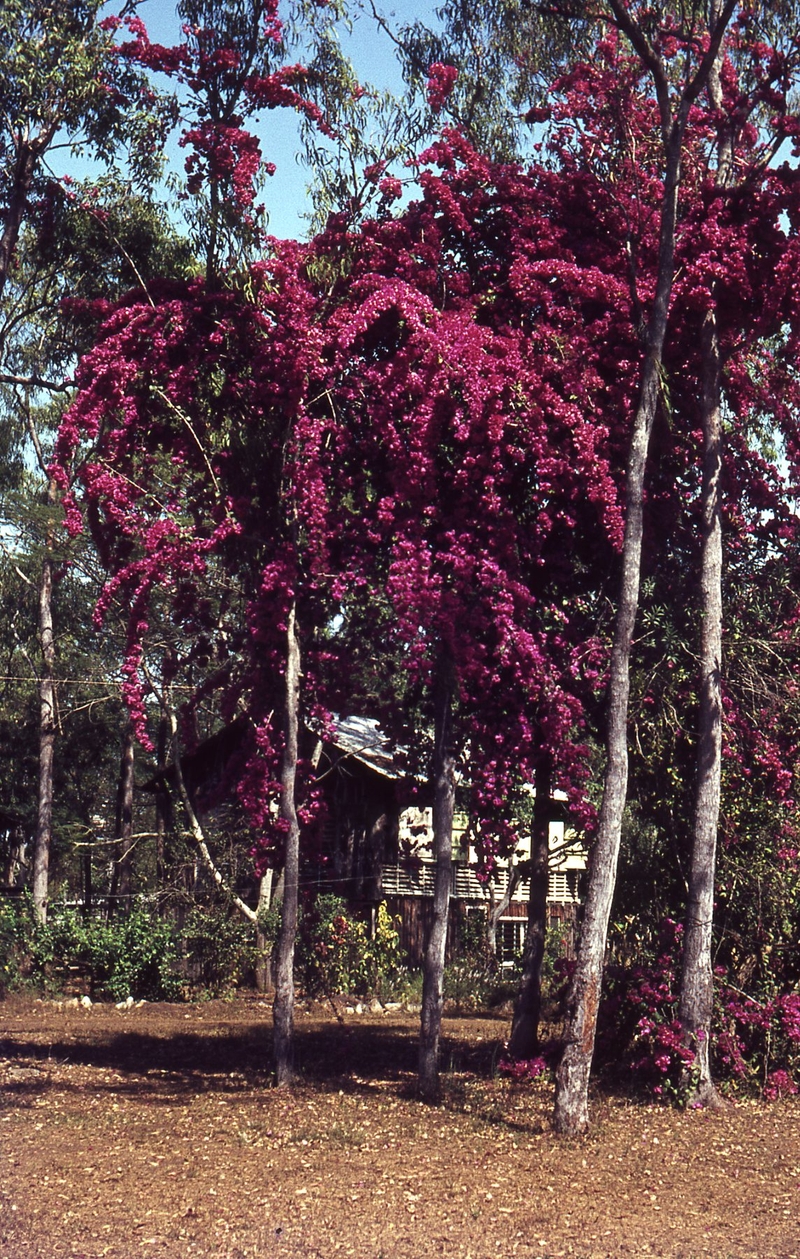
[
  {"x": 12, "y": 945},
  {"x": 136, "y": 956},
  {"x": 336, "y": 954},
  {"x": 506, "y": 53},
  {"x": 471, "y": 976},
  {"x": 58, "y": 72},
  {"x": 219, "y": 948}
]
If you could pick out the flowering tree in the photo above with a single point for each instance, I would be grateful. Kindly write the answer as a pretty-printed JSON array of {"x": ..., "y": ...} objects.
[
  {"x": 433, "y": 412},
  {"x": 174, "y": 364},
  {"x": 426, "y": 440},
  {"x": 689, "y": 136},
  {"x": 466, "y": 459}
]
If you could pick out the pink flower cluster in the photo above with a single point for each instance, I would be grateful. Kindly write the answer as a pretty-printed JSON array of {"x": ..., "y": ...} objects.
[{"x": 441, "y": 81}]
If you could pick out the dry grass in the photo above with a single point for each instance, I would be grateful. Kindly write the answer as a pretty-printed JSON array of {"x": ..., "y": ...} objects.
[{"x": 155, "y": 1131}]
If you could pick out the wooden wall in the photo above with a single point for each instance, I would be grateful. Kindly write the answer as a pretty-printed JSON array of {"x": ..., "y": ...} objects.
[{"x": 414, "y": 916}]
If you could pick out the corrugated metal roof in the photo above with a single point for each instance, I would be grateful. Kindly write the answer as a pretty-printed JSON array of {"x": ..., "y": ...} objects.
[{"x": 363, "y": 739}]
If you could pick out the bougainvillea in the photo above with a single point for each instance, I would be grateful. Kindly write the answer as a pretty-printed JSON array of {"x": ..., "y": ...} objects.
[
  {"x": 755, "y": 1039},
  {"x": 432, "y": 413},
  {"x": 435, "y": 443}
]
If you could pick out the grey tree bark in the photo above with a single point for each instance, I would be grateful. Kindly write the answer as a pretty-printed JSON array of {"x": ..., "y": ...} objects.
[
  {"x": 47, "y": 743},
  {"x": 697, "y": 979},
  {"x": 572, "y": 1083},
  {"x": 283, "y": 1007},
  {"x": 524, "y": 1040},
  {"x": 444, "y": 793},
  {"x": 498, "y": 907},
  {"x": 264, "y": 980}
]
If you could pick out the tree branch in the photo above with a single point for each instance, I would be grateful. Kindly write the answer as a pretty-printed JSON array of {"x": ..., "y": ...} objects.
[
  {"x": 35, "y": 382},
  {"x": 197, "y": 830}
]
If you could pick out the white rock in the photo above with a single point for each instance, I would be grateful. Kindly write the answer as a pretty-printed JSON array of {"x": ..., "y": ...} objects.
[{"x": 86, "y": 1002}]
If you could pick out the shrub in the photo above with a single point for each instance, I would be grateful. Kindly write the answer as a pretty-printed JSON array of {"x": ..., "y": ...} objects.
[
  {"x": 15, "y": 922},
  {"x": 219, "y": 949},
  {"x": 755, "y": 1037},
  {"x": 336, "y": 954},
  {"x": 134, "y": 956}
]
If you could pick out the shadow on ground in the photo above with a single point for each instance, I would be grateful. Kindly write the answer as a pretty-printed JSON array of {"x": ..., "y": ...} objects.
[{"x": 354, "y": 1057}]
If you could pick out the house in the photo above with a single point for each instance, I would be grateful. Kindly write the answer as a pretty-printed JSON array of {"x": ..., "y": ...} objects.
[
  {"x": 377, "y": 847},
  {"x": 376, "y": 842}
]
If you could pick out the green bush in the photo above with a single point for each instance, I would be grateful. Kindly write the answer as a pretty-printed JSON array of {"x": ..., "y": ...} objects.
[
  {"x": 135, "y": 956},
  {"x": 471, "y": 975},
  {"x": 14, "y": 947},
  {"x": 336, "y": 955},
  {"x": 219, "y": 949}
]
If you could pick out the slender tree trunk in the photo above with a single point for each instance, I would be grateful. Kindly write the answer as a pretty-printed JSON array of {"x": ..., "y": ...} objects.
[
  {"x": 498, "y": 908},
  {"x": 572, "y": 1085},
  {"x": 197, "y": 831},
  {"x": 88, "y": 888},
  {"x": 697, "y": 983},
  {"x": 264, "y": 981},
  {"x": 283, "y": 1008},
  {"x": 443, "y": 782},
  {"x": 697, "y": 980},
  {"x": 121, "y": 882},
  {"x": 47, "y": 741},
  {"x": 162, "y": 802},
  {"x": 524, "y": 1040}
]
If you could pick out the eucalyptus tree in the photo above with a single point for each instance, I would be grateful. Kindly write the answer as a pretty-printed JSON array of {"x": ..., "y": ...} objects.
[
  {"x": 61, "y": 83},
  {"x": 672, "y": 107}
]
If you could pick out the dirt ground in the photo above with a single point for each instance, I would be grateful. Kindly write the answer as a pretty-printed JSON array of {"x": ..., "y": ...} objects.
[{"x": 153, "y": 1131}]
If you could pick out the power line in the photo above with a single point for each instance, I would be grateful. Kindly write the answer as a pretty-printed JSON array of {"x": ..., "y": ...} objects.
[{"x": 26, "y": 677}]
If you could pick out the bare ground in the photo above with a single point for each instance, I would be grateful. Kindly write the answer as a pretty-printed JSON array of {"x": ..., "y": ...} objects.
[{"x": 154, "y": 1132}]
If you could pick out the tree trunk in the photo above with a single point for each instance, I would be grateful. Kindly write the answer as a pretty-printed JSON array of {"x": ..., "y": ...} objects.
[
  {"x": 498, "y": 908},
  {"x": 264, "y": 980},
  {"x": 88, "y": 887},
  {"x": 197, "y": 831},
  {"x": 572, "y": 1090},
  {"x": 697, "y": 981},
  {"x": 24, "y": 170},
  {"x": 524, "y": 1040},
  {"x": 163, "y": 804},
  {"x": 443, "y": 783},
  {"x": 121, "y": 882},
  {"x": 572, "y": 1086},
  {"x": 47, "y": 741},
  {"x": 283, "y": 1008}
]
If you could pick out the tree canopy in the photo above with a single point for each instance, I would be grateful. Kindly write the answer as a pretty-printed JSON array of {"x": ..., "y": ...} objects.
[{"x": 537, "y": 423}]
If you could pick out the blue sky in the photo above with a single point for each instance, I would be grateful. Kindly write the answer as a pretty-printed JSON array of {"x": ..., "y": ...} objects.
[{"x": 372, "y": 54}]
